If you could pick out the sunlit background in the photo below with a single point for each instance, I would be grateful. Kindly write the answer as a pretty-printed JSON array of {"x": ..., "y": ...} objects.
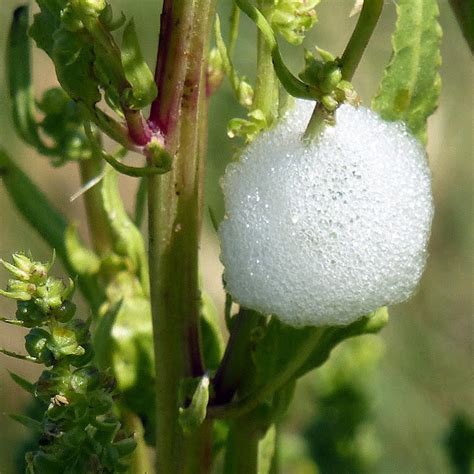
[{"x": 425, "y": 368}]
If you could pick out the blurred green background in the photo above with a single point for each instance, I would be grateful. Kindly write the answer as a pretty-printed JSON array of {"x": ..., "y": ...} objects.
[{"x": 425, "y": 368}]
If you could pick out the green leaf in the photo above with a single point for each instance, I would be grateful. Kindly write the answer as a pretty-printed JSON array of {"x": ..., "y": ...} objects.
[
  {"x": 45, "y": 219},
  {"x": 411, "y": 84},
  {"x": 281, "y": 343},
  {"x": 19, "y": 78},
  {"x": 128, "y": 239},
  {"x": 136, "y": 70},
  {"x": 45, "y": 23},
  {"x": 370, "y": 324},
  {"x": 83, "y": 260},
  {"x": 23, "y": 383},
  {"x": 74, "y": 62},
  {"x": 27, "y": 422},
  {"x": 212, "y": 341},
  {"x": 266, "y": 450},
  {"x": 123, "y": 340},
  {"x": 191, "y": 417}
]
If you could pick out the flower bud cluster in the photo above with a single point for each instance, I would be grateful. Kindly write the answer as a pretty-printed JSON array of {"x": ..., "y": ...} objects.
[
  {"x": 326, "y": 74},
  {"x": 78, "y": 426},
  {"x": 292, "y": 18}
]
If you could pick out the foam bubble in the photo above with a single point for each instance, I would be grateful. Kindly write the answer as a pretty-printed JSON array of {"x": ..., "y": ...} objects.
[{"x": 325, "y": 233}]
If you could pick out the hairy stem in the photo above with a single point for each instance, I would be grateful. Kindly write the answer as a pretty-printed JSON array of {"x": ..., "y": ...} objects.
[
  {"x": 365, "y": 26},
  {"x": 174, "y": 215}
]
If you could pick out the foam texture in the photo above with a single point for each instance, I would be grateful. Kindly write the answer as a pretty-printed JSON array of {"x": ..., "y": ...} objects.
[{"x": 323, "y": 234}]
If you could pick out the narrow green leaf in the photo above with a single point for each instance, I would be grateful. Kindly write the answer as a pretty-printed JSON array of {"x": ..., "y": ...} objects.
[
  {"x": 140, "y": 202},
  {"x": 45, "y": 219},
  {"x": 45, "y": 23},
  {"x": 136, "y": 70},
  {"x": 129, "y": 240},
  {"x": 19, "y": 79},
  {"x": 411, "y": 84},
  {"x": 83, "y": 260},
  {"x": 191, "y": 417},
  {"x": 27, "y": 422},
  {"x": 74, "y": 62},
  {"x": 23, "y": 383},
  {"x": 370, "y": 324},
  {"x": 212, "y": 341}
]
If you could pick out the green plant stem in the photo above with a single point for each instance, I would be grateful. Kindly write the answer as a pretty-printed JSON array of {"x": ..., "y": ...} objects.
[
  {"x": 233, "y": 366},
  {"x": 174, "y": 216},
  {"x": 291, "y": 83},
  {"x": 99, "y": 231},
  {"x": 319, "y": 119},
  {"x": 242, "y": 447},
  {"x": 266, "y": 87},
  {"x": 251, "y": 401},
  {"x": 350, "y": 59},
  {"x": 364, "y": 28},
  {"x": 234, "y": 29},
  {"x": 198, "y": 447}
]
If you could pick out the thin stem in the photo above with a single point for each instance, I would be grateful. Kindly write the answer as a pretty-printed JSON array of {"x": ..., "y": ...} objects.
[
  {"x": 365, "y": 26},
  {"x": 350, "y": 59},
  {"x": 19, "y": 356},
  {"x": 234, "y": 29},
  {"x": 319, "y": 119},
  {"x": 174, "y": 215},
  {"x": 251, "y": 401}
]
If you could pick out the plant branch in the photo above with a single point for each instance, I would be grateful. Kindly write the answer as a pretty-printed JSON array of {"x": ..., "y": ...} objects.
[
  {"x": 251, "y": 401},
  {"x": 364, "y": 28},
  {"x": 233, "y": 365}
]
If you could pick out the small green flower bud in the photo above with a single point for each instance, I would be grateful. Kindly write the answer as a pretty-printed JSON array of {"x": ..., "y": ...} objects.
[
  {"x": 89, "y": 7},
  {"x": 329, "y": 102},
  {"x": 245, "y": 93},
  {"x": 85, "y": 379},
  {"x": 65, "y": 312},
  {"x": 81, "y": 330},
  {"x": 63, "y": 343},
  {"x": 53, "y": 101},
  {"x": 332, "y": 77},
  {"x": 50, "y": 295},
  {"x": 53, "y": 382},
  {"x": 84, "y": 359},
  {"x": 36, "y": 344},
  {"x": 100, "y": 402},
  {"x": 70, "y": 21},
  {"x": 20, "y": 290},
  {"x": 30, "y": 314}
]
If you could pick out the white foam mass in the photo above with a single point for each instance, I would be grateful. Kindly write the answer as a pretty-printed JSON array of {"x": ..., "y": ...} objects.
[{"x": 325, "y": 233}]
